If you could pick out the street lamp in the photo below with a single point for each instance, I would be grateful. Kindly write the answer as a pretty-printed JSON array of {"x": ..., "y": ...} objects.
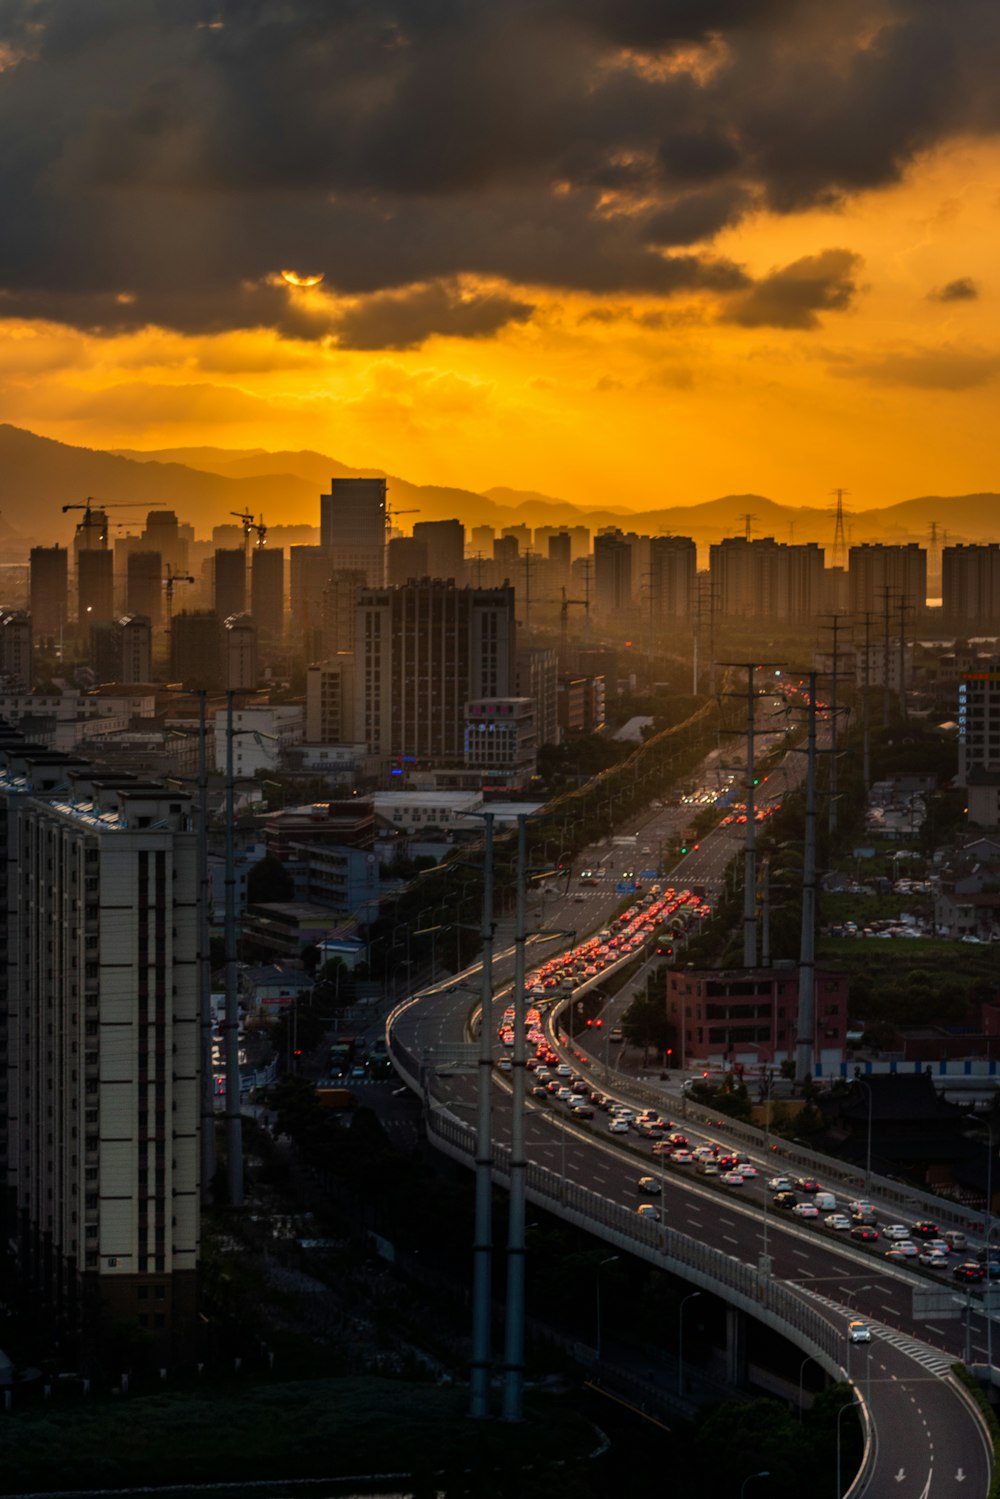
[
  {"x": 680, "y": 1339},
  {"x": 764, "y": 1473},
  {"x": 809, "y": 1359},
  {"x": 868, "y": 1152},
  {"x": 611, "y": 1260},
  {"x": 843, "y": 1408}
]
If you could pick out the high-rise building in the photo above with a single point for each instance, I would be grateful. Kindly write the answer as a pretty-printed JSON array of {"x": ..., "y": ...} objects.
[
  {"x": 979, "y": 721},
  {"x": 878, "y": 573},
  {"x": 239, "y": 645},
  {"x": 48, "y": 590},
  {"x": 330, "y": 701},
  {"x": 267, "y": 591},
  {"x": 613, "y": 581},
  {"x": 405, "y": 558},
  {"x": 765, "y": 579},
  {"x": 230, "y": 592},
  {"x": 340, "y": 611},
  {"x": 123, "y": 649},
  {"x": 15, "y": 650},
  {"x": 445, "y": 543},
  {"x": 95, "y": 587},
  {"x": 196, "y": 650},
  {"x": 481, "y": 540},
  {"x": 352, "y": 525},
  {"x": 537, "y": 676},
  {"x": 422, "y": 652},
  {"x": 145, "y": 585},
  {"x": 309, "y": 573},
  {"x": 506, "y": 551},
  {"x": 165, "y": 535},
  {"x": 673, "y": 568},
  {"x": 521, "y": 534},
  {"x": 101, "y": 1011},
  {"x": 970, "y": 586}
]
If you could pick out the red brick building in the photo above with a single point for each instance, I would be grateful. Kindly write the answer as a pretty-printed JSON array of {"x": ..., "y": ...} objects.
[{"x": 728, "y": 1015}]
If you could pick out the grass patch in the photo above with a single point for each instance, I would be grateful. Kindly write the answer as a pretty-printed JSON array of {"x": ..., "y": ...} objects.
[{"x": 323, "y": 1428}]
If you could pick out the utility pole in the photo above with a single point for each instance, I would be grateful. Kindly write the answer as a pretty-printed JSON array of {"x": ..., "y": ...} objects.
[
  {"x": 750, "y": 846},
  {"x": 513, "y": 1389},
  {"x": 834, "y": 628},
  {"x": 839, "y": 544},
  {"x": 806, "y": 1027},
  {"x": 482, "y": 1248},
  {"x": 866, "y": 769},
  {"x": 205, "y": 962},
  {"x": 886, "y": 596},
  {"x": 903, "y": 607},
  {"x": 528, "y": 559},
  {"x": 234, "y": 1122},
  {"x": 765, "y": 915}
]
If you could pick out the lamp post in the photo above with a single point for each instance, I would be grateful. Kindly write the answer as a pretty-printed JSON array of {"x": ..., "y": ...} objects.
[
  {"x": 764, "y": 1473},
  {"x": 680, "y": 1339},
  {"x": 845, "y": 1407},
  {"x": 611, "y": 1260},
  {"x": 809, "y": 1359},
  {"x": 868, "y": 1149}
]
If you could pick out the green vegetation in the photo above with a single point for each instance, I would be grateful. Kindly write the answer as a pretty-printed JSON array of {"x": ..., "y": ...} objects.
[
  {"x": 316, "y": 1428},
  {"x": 989, "y": 1415}
]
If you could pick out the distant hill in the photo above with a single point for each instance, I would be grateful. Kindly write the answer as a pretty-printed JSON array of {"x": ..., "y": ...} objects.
[{"x": 205, "y": 484}]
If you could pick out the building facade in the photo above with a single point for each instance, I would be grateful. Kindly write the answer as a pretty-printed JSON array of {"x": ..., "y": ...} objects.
[
  {"x": 749, "y": 1015},
  {"x": 352, "y": 526},
  {"x": 102, "y": 1040}
]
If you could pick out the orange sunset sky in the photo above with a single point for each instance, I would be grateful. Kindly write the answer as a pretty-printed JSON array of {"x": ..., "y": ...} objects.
[{"x": 629, "y": 254}]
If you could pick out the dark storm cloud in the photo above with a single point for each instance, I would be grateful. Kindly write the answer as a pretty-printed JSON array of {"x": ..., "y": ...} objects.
[
  {"x": 962, "y": 289},
  {"x": 401, "y": 320},
  {"x": 161, "y": 159},
  {"x": 792, "y": 296}
]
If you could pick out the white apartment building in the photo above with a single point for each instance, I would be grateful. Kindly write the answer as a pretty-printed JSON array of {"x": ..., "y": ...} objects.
[
  {"x": 102, "y": 1035},
  {"x": 260, "y": 737}
]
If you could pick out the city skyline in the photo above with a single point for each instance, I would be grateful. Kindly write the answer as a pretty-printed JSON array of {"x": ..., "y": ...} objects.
[{"x": 607, "y": 265}]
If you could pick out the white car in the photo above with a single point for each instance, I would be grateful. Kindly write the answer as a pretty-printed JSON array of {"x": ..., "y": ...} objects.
[
  {"x": 806, "y": 1210},
  {"x": 839, "y": 1221},
  {"x": 860, "y": 1205},
  {"x": 859, "y": 1332},
  {"x": 906, "y": 1248},
  {"x": 747, "y": 1171},
  {"x": 564, "y": 1070},
  {"x": 895, "y": 1231},
  {"x": 618, "y": 1126},
  {"x": 932, "y": 1258},
  {"x": 780, "y": 1184},
  {"x": 733, "y": 1178}
]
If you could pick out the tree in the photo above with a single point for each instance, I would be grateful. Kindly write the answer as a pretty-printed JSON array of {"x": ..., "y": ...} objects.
[
  {"x": 269, "y": 880},
  {"x": 645, "y": 1023}
]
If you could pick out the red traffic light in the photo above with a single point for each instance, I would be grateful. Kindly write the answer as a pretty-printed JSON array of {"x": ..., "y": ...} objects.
[{"x": 598, "y": 1023}]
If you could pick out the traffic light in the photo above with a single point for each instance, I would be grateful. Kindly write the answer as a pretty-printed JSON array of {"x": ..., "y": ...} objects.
[
  {"x": 590, "y": 1022},
  {"x": 683, "y": 850},
  {"x": 598, "y": 1023}
]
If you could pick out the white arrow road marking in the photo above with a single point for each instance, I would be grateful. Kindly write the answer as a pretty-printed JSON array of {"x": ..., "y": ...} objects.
[
  {"x": 960, "y": 1476},
  {"x": 901, "y": 1475}
]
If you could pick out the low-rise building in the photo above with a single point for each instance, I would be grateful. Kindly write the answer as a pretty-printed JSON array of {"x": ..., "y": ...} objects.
[{"x": 748, "y": 1016}]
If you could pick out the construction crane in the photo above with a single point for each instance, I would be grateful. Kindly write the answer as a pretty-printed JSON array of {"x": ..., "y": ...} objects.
[
  {"x": 250, "y": 525},
  {"x": 168, "y": 580},
  {"x": 93, "y": 514},
  {"x": 390, "y": 516}
]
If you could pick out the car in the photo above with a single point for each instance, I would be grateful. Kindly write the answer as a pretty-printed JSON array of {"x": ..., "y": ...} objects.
[
  {"x": 622, "y": 1113},
  {"x": 785, "y": 1200},
  {"x": 969, "y": 1271},
  {"x": 941, "y": 1245},
  {"x": 564, "y": 1070},
  {"x": 780, "y": 1184},
  {"x": 896, "y": 1231},
  {"x": 662, "y": 1147},
  {"x": 581, "y": 1110},
  {"x": 579, "y": 1086},
  {"x": 505, "y": 1065},
  {"x": 806, "y": 1210},
  {"x": 865, "y": 1232},
  {"x": 808, "y": 1184},
  {"x": 707, "y": 1168},
  {"x": 895, "y": 1254},
  {"x": 860, "y": 1205},
  {"x": 747, "y": 1170},
  {"x": 864, "y": 1215},
  {"x": 618, "y": 1126},
  {"x": 907, "y": 1249},
  {"x": 678, "y": 1139},
  {"x": 858, "y": 1332},
  {"x": 682, "y": 1158},
  {"x": 839, "y": 1221},
  {"x": 648, "y": 1210},
  {"x": 733, "y": 1178},
  {"x": 539, "y": 1091},
  {"x": 648, "y": 1184},
  {"x": 933, "y": 1258},
  {"x": 925, "y": 1229},
  {"x": 990, "y": 1253}
]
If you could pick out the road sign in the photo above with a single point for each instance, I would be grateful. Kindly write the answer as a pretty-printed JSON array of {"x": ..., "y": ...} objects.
[
  {"x": 625, "y": 887},
  {"x": 648, "y": 874}
]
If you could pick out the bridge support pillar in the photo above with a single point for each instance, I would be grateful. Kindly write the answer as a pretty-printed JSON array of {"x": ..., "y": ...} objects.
[{"x": 736, "y": 1346}]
